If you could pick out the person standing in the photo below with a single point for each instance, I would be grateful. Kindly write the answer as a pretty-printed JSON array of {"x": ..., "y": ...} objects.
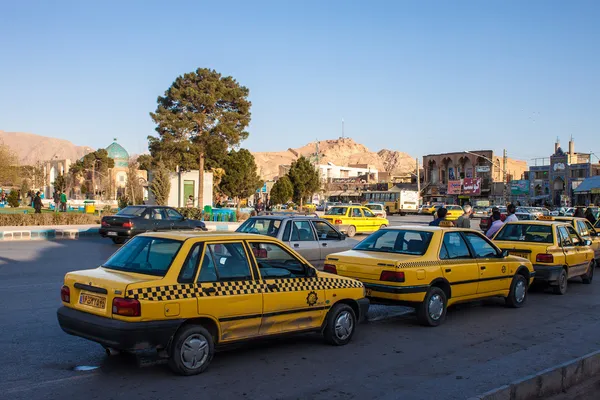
[
  {"x": 56, "y": 199},
  {"x": 63, "y": 201},
  {"x": 190, "y": 202},
  {"x": 511, "y": 210},
  {"x": 464, "y": 221},
  {"x": 441, "y": 216},
  {"x": 496, "y": 224},
  {"x": 37, "y": 203},
  {"x": 589, "y": 215}
]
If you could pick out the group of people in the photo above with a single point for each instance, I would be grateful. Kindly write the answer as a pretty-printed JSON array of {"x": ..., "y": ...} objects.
[
  {"x": 464, "y": 221},
  {"x": 60, "y": 201}
]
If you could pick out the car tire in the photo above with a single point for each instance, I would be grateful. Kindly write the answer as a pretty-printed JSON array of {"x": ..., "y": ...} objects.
[
  {"x": 518, "y": 292},
  {"x": 351, "y": 231},
  {"x": 191, "y": 342},
  {"x": 340, "y": 325},
  {"x": 589, "y": 274},
  {"x": 428, "y": 313},
  {"x": 561, "y": 284},
  {"x": 118, "y": 240}
]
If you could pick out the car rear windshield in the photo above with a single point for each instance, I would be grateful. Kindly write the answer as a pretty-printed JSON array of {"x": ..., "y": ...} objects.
[
  {"x": 398, "y": 241},
  {"x": 526, "y": 233},
  {"x": 132, "y": 210},
  {"x": 145, "y": 255},
  {"x": 263, "y": 226},
  {"x": 376, "y": 207},
  {"x": 337, "y": 211}
]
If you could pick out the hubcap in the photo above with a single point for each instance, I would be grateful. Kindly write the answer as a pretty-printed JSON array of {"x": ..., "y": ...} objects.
[
  {"x": 436, "y": 307},
  {"x": 194, "y": 351},
  {"x": 344, "y": 325},
  {"x": 520, "y": 290}
]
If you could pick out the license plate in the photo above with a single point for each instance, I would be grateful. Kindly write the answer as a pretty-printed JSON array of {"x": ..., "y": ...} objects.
[
  {"x": 112, "y": 233},
  {"x": 92, "y": 301},
  {"x": 368, "y": 292},
  {"x": 519, "y": 254}
]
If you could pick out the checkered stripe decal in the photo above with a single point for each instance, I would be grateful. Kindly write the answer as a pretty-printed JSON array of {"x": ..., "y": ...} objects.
[
  {"x": 424, "y": 264},
  {"x": 191, "y": 290}
]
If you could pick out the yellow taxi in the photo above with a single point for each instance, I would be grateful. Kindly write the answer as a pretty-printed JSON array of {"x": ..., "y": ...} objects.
[
  {"x": 355, "y": 219},
  {"x": 430, "y": 208},
  {"x": 557, "y": 252},
  {"x": 585, "y": 229},
  {"x": 183, "y": 293},
  {"x": 454, "y": 212},
  {"x": 431, "y": 268}
]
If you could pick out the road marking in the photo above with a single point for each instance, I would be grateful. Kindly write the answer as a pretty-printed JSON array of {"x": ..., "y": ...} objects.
[{"x": 33, "y": 386}]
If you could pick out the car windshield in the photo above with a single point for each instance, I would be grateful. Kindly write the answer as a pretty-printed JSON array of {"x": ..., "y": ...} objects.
[
  {"x": 132, "y": 210},
  {"x": 526, "y": 233},
  {"x": 375, "y": 207},
  {"x": 145, "y": 255},
  {"x": 398, "y": 241},
  {"x": 455, "y": 208},
  {"x": 337, "y": 211},
  {"x": 263, "y": 226}
]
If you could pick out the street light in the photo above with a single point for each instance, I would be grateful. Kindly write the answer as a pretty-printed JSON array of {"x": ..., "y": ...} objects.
[{"x": 503, "y": 169}]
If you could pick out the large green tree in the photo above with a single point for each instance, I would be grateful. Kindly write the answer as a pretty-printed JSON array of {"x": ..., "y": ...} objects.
[
  {"x": 282, "y": 191},
  {"x": 92, "y": 167},
  {"x": 240, "y": 180},
  {"x": 60, "y": 183},
  {"x": 305, "y": 179},
  {"x": 201, "y": 113}
]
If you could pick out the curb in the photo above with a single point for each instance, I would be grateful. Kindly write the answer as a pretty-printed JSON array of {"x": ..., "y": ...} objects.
[{"x": 548, "y": 382}]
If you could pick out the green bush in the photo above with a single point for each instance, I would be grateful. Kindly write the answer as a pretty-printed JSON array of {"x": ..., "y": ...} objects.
[
  {"x": 13, "y": 199},
  {"x": 48, "y": 219}
]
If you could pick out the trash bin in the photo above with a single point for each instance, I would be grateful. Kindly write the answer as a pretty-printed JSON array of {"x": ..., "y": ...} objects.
[{"x": 89, "y": 206}]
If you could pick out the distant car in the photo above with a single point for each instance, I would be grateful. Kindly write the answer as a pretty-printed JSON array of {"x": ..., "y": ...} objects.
[
  {"x": 355, "y": 219},
  {"x": 454, "y": 212},
  {"x": 377, "y": 208},
  {"x": 480, "y": 212},
  {"x": 133, "y": 220},
  {"x": 525, "y": 216},
  {"x": 313, "y": 238},
  {"x": 485, "y": 223}
]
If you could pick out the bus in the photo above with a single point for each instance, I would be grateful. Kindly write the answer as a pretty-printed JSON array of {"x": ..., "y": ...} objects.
[{"x": 395, "y": 202}]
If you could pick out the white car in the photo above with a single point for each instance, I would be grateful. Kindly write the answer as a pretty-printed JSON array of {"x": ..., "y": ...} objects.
[{"x": 378, "y": 209}]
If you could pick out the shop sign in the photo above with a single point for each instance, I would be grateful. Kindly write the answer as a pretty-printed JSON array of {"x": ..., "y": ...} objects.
[
  {"x": 482, "y": 168},
  {"x": 472, "y": 186},
  {"x": 454, "y": 187},
  {"x": 519, "y": 187}
]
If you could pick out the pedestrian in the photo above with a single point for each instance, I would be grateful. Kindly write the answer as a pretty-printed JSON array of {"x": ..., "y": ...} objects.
[
  {"x": 464, "y": 221},
  {"x": 56, "y": 199},
  {"x": 37, "y": 203},
  {"x": 589, "y": 215},
  {"x": 259, "y": 207},
  {"x": 511, "y": 210},
  {"x": 441, "y": 216},
  {"x": 190, "y": 202},
  {"x": 579, "y": 213},
  {"x": 496, "y": 224},
  {"x": 63, "y": 201}
]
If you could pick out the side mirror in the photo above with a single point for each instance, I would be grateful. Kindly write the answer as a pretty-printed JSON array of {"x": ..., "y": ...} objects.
[
  {"x": 586, "y": 242},
  {"x": 504, "y": 253},
  {"x": 342, "y": 236},
  {"x": 311, "y": 272}
]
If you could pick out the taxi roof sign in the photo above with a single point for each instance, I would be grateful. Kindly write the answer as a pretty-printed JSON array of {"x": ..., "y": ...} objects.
[
  {"x": 545, "y": 218},
  {"x": 446, "y": 224}
]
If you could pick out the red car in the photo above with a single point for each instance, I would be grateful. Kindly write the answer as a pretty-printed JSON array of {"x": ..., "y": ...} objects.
[{"x": 486, "y": 222}]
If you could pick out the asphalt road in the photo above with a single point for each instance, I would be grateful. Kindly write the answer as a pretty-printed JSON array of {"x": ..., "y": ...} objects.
[{"x": 481, "y": 346}]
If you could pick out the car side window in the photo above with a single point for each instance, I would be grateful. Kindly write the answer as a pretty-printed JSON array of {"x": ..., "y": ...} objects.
[
  {"x": 302, "y": 232},
  {"x": 589, "y": 228},
  {"x": 325, "y": 231},
  {"x": 455, "y": 246},
  {"x": 157, "y": 214},
  {"x": 173, "y": 215},
  {"x": 573, "y": 235},
  {"x": 286, "y": 231},
  {"x": 224, "y": 262},
  {"x": 274, "y": 261},
  {"x": 563, "y": 235},
  {"x": 188, "y": 270},
  {"x": 368, "y": 213},
  {"x": 583, "y": 229},
  {"x": 482, "y": 247},
  {"x": 356, "y": 213}
]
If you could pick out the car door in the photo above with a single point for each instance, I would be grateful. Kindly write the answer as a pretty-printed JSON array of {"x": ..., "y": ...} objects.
[
  {"x": 329, "y": 239},
  {"x": 176, "y": 220},
  {"x": 494, "y": 271},
  {"x": 592, "y": 235},
  {"x": 570, "y": 251},
  {"x": 229, "y": 291},
  {"x": 294, "y": 298},
  {"x": 159, "y": 218},
  {"x": 303, "y": 240},
  {"x": 358, "y": 220},
  {"x": 582, "y": 258},
  {"x": 372, "y": 222},
  {"x": 459, "y": 267}
]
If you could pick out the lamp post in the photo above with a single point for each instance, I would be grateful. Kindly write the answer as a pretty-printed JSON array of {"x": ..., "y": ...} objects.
[{"x": 502, "y": 168}]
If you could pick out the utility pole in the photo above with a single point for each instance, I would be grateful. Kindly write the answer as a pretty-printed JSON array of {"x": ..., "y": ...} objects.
[
  {"x": 418, "y": 179},
  {"x": 504, "y": 177},
  {"x": 342, "y": 128}
]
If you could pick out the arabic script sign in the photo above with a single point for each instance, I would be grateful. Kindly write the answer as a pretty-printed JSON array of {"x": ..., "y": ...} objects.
[
  {"x": 454, "y": 187},
  {"x": 472, "y": 186}
]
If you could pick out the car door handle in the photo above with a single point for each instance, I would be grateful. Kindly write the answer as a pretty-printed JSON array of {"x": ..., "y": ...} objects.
[
  {"x": 209, "y": 290},
  {"x": 448, "y": 269},
  {"x": 296, "y": 245},
  {"x": 324, "y": 244},
  {"x": 482, "y": 268},
  {"x": 272, "y": 286}
]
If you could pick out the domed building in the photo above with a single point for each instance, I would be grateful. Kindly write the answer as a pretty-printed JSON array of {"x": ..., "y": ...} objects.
[{"x": 118, "y": 174}]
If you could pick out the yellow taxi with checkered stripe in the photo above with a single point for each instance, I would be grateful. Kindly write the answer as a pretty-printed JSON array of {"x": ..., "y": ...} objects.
[
  {"x": 431, "y": 268},
  {"x": 556, "y": 250},
  {"x": 184, "y": 293},
  {"x": 585, "y": 229}
]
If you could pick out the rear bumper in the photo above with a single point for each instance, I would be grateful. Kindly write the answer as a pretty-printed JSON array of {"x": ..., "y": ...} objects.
[
  {"x": 363, "y": 307},
  {"x": 547, "y": 273},
  {"x": 120, "y": 232},
  {"x": 116, "y": 334}
]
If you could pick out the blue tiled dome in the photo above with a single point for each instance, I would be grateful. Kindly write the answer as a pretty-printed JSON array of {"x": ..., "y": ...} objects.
[{"x": 119, "y": 154}]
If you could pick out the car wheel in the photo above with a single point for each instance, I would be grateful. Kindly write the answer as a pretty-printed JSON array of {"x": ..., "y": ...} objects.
[
  {"x": 561, "y": 284},
  {"x": 191, "y": 351},
  {"x": 118, "y": 240},
  {"x": 589, "y": 275},
  {"x": 340, "y": 325},
  {"x": 518, "y": 292},
  {"x": 351, "y": 231},
  {"x": 432, "y": 311},
  {"x": 383, "y": 226}
]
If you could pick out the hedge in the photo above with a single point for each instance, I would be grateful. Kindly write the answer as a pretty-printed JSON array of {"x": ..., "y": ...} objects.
[{"x": 48, "y": 219}]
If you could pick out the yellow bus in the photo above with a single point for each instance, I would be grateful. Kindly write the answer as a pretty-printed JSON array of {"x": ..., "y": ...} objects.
[{"x": 395, "y": 202}]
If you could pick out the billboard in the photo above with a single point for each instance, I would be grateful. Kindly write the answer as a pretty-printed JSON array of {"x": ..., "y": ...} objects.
[
  {"x": 454, "y": 187},
  {"x": 519, "y": 187},
  {"x": 472, "y": 186},
  {"x": 482, "y": 168}
]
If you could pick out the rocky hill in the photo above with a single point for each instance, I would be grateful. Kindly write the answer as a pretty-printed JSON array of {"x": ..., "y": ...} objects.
[
  {"x": 32, "y": 148},
  {"x": 343, "y": 151}
]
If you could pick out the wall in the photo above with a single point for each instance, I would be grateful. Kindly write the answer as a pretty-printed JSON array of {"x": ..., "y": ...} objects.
[
  {"x": 176, "y": 195},
  {"x": 337, "y": 171}
]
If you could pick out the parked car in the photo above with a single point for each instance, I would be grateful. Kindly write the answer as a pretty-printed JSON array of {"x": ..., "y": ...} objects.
[
  {"x": 185, "y": 294},
  {"x": 377, "y": 208},
  {"x": 133, "y": 220},
  {"x": 313, "y": 238},
  {"x": 480, "y": 212},
  {"x": 355, "y": 219}
]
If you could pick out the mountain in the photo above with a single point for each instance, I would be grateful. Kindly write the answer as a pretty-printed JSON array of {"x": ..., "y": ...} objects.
[
  {"x": 32, "y": 148},
  {"x": 343, "y": 151}
]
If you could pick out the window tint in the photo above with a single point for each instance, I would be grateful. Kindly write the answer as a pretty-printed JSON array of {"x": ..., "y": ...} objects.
[
  {"x": 286, "y": 231},
  {"x": 396, "y": 241},
  {"x": 302, "y": 232},
  {"x": 224, "y": 262},
  {"x": 589, "y": 228},
  {"x": 188, "y": 270},
  {"x": 368, "y": 213},
  {"x": 173, "y": 215},
  {"x": 356, "y": 213},
  {"x": 455, "y": 245},
  {"x": 132, "y": 210},
  {"x": 263, "y": 226},
  {"x": 582, "y": 228},
  {"x": 275, "y": 262},
  {"x": 341, "y": 211},
  {"x": 325, "y": 231},
  {"x": 482, "y": 247},
  {"x": 564, "y": 237},
  {"x": 145, "y": 255},
  {"x": 573, "y": 235},
  {"x": 525, "y": 233}
]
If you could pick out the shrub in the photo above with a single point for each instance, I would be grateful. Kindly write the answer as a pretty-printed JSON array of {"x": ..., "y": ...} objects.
[
  {"x": 13, "y": 199},
  {"x": 48, "y": 219}
]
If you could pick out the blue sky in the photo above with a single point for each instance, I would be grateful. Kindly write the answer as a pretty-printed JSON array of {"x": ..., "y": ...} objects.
[{"x": 421, "y": 77}]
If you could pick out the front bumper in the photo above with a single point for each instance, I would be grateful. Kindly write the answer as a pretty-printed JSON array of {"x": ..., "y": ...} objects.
[
  {"x": 547, "y": 273},
  {"x": 117, "y": 334},
  {"x": 363, "y": 308}
]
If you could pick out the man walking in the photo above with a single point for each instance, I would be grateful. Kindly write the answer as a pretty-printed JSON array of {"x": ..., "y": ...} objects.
[
  {"x": 464, "y": 221},
  {"x": 511, "y": 210},
  {"x": 37, "y": 203},
  {"x": 496, "y": 224},
  {"x": 441, "y": 216}
]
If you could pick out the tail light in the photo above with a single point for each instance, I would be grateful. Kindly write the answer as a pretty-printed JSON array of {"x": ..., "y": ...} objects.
[
  {"x": 544, "y": 258},
  {"x": 104, "y": 223},
  {"x": 337, "y": 222},
  {"x": 65, "y": 294},
  {"x": 126, "y": 307},
  {"x": 392, "y": 276},
  {"x": 330, "y": 268},
  {"x": 128, "y": 224}
]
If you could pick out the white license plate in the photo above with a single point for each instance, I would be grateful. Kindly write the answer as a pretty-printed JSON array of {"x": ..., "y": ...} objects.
[
  {"x": 92, "y": 301},
  {"x": 112, "y": 234}
]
